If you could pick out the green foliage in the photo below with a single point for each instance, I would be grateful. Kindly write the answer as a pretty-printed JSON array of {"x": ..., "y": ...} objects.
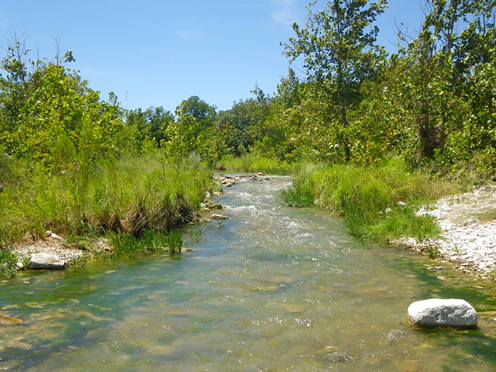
[
  {"x": 58, "y": 117},
  {"x": 432, "y": 251},
  {"x": 253, "y": 163},
  {"x": 192, "y": 131},
  {"x": 149, "y": 127},
  {"x": 339, "y": 53},
  {"x": 433, "y": 102},
  {"x": 377, "y": 203},
  {"x": 128, "y": 196},
  {"x": 435, "y": 98},
  {"x": 240, "y": 119},
  {"x": 298, "y": 195},
  {"x": 128, "y": 246},
  {"x": 8, "y": 263}
]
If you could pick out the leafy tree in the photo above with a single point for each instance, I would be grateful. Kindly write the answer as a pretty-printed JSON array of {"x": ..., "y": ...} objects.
[
  {"x": 242, "y": 118},
  {"x": 159, "y": 119},
  {"x": 194, "y": 123},
  {"x": 280, "y": 132},
  {"x": 339, "y": 54},
  {"x": 198, "y": 109},
  {"x": 438, "y": 72},
  {"x": 14, "y": 87},
  {"x": 149, "y": 126},
  {"x": 50, "y": 115},
  {"x": 268, "y": 134}
]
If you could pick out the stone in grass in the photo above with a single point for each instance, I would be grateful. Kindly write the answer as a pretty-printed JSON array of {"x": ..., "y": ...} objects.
[
  {"x": 442, "y": 313},
  {"x": 45, "y": 261}
]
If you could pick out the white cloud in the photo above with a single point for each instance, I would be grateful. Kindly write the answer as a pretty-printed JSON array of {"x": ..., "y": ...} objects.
[
  {"x": 190, "y": 35},
  {"x": 284, "y": 11}
]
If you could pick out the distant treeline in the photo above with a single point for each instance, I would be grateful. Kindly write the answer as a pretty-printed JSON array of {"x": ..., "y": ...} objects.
[{"x": 433, "y": 102}]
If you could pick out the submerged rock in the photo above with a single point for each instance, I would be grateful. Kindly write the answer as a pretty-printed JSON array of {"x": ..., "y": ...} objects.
[
  {"x": 435, "y": 312},
  {"x": 6, "y": 319},
  {"x": 45, "y": 261},
  {"x": 218, "y": 217}
]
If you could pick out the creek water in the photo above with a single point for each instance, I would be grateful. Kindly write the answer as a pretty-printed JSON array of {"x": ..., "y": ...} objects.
[{"x": 269, "y": 289}]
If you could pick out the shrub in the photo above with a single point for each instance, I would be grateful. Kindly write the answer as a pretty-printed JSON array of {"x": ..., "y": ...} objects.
[{"x": 377, "y": 202}]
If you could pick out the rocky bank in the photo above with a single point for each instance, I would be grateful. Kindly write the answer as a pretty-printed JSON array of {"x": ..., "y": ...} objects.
[{"x": 468, "y": 239}]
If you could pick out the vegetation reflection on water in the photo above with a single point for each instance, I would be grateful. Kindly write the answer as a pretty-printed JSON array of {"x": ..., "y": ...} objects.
[{"x": 269, "y": 289}]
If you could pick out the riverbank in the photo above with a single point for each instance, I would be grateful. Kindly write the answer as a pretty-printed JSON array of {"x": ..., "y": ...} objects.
[
  {"x": 124, "y": 197},
  {"x": 256, "y": 284},
  {"x": 467, "y": 221},
  {"x": 468, "y": 238},
  {"x": 71, "y": 252}
]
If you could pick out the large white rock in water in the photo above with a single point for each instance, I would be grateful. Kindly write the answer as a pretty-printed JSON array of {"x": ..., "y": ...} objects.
[
  {"x": 442, "y": 313},
  {"x": 45, "y": 261}
]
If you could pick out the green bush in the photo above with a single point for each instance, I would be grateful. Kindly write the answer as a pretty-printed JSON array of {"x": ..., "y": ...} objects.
[
  {"x": 127, "y": 246},
  {"x": 128, "y": 196},
  {"x": 8, "y": 263},
  {"x": 377, "y": 202}
]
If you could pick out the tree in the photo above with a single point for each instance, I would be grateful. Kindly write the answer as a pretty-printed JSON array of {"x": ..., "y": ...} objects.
[
  {"x": 195, "y": 119},
  {"x": 339, "y": 54},
  {"x": 13, "y": 86},
  {"x": 50, "y": 116},
  {"x": 198, "y": 109},
  {"x": 149, "y": 126},
  {"x": 240, "y": 118},
  {"x": 449, "y": 97}
]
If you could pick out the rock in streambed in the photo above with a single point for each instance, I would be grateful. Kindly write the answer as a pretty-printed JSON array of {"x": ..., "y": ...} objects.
[
  {"x": 45, "y": 261},
  {"x": 436, "y": 312}
]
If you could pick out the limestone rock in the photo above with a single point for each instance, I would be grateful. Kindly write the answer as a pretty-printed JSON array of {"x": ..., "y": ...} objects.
[
  {"x": 54, "y": 236},
  {"x": 45, "y": 261},
  {"x": 442, "y": 313}
]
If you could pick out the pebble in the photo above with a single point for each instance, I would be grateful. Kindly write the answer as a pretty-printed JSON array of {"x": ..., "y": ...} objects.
[{"x": 469, "y": 233}]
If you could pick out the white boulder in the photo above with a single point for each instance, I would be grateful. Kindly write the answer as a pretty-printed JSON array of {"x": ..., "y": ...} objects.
[
  {"x": 442, "y": 313},
  {"x": 45, "y": 261}
]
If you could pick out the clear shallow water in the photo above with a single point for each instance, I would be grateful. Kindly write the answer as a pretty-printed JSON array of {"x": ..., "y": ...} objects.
[{"x": 269, "y": 289}]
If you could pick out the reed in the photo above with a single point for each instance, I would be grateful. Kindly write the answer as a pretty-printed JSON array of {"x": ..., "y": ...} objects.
[
  {"x": 127, "y": 196},
  {"x": 378, "y": 203},
  {"x": 8, "y": 263},
  {"x": 128, "y": 246},
  {"x": 253, "y": 163}
]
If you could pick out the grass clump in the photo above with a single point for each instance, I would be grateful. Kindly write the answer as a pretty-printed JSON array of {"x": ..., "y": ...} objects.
[
  {"x": 137, "y": 200},
  {"x": 8, "y": 263},
  {"x": 128, "y": 246},
  {"x": 378, "y": 203},
  {"x": 252, "y": 163},
  {"x": 299, "y": 195},
  {"x": 128, "y": 196}
]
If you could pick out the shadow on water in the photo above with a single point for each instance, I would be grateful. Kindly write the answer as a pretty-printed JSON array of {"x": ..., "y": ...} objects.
[
  {"x": 471, "y": 345},
  {"x": 448, "y": 283}
]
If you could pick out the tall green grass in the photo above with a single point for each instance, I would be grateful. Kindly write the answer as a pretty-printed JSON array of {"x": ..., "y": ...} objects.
[
  {"x": 378, "y": 203},
  {"x": 252, "y": 163},
  {"x": 129, "y": 197},
  {"x": 127, "y": 246},
  {"x": 8, "y": 263}
]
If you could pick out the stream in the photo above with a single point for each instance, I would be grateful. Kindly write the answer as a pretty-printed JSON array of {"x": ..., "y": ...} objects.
[{"x": 269, "y": 289}]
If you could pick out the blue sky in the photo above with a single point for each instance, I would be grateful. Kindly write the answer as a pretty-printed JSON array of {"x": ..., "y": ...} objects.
[{"x": 161, "y": 52}]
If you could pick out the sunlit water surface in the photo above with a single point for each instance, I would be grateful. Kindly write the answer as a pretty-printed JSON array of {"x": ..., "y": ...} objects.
[{"x": 269, "y": 289}]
